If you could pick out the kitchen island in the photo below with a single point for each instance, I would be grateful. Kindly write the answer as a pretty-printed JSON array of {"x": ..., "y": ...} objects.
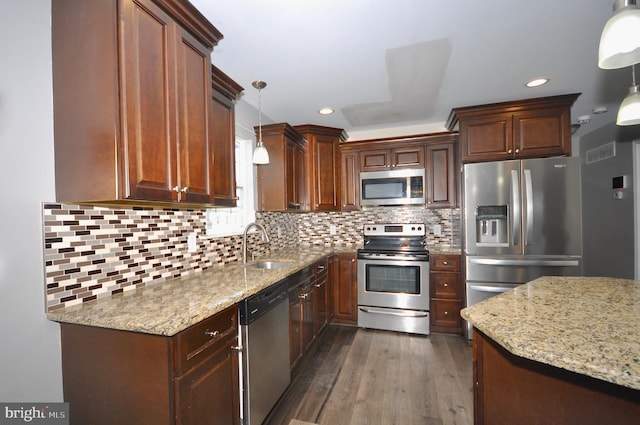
[{"x": 558, "y": 350}]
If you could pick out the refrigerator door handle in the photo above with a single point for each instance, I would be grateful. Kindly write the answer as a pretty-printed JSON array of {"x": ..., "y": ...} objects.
[
  {"x": 515, "y": 207},
  {"x": 503, "y": 262},
  {"x": 488, "y": 288},
  {"x": 528, "y": 187}
]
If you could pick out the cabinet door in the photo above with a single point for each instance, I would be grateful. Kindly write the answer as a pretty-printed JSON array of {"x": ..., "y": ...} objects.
[
  {"x": 148, "y": 93},
  {"x": 294, "y": 175},
  {"x": 542, "y": 132},
  {"x": 295, "y": 327},
  {"x": 350, "y": 184},
  {"x": 321, "y": 304},
  {"x": 375, "y": 160},
  {"x": 441, "y": 176},
  {"x": 408, "y": 157},
  {"x": 223, "y": 146},
  {"x": 308, "y": 317},
  {"x": 326, "y": 186},
  {"x": 486, "y": 138},
  {"x": 209, "y": 393},
  {"x": 345, "y": 301},
  {"x": 195, "y": 118}
]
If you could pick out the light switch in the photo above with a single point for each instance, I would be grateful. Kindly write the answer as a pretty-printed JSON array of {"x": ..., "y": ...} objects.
[
  {"x": 437, "y": 229},
  {"x": 192, "y": 242}
]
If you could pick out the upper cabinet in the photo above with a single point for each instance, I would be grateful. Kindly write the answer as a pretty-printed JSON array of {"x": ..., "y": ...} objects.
[
  {"x": 281, "y": 183},
  {"x": 528, "y": 128},
  {"x": 435, "y": 152},
  {"x": 133, "y": 111},
  {"x": 323, "y": 173},
  {"x": 225, "y": 93}
]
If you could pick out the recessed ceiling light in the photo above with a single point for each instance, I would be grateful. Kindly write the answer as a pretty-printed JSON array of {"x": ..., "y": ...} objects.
[
  {"x": 326, "y": 111},
  {"x": 537, "y": 82}
]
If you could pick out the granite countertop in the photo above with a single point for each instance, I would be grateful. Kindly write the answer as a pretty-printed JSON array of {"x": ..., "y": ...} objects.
[
  {"x": 588, "y": 325},
  {"x": 169, "y": 307}
]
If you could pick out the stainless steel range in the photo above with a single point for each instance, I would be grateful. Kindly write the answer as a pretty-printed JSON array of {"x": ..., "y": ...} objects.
[{"x": 393, "y": 278}]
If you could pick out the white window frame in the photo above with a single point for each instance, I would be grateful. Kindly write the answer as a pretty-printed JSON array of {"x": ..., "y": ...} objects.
[{"x": 232, "y": 221}]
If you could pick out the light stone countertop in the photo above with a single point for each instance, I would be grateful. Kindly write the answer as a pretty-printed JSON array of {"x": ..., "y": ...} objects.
[
  {"x": 169, "y": 307},
  {"x": 588, "y": 325}
]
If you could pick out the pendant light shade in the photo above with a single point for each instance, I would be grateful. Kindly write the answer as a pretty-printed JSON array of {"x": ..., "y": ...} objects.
[
  {"x": 620, "y": 39},
  {"x": 260, "y": 155},
  {"x": 629, "y": 112}
]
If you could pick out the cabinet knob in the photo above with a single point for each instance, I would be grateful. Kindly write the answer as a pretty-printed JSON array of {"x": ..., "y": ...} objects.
[
  {"x": 509, "y": 151},
  {"x": 212, "y": 334},
  {"x": 517, "y": 150},
  {"x": 445, "y": 263},
  {"x": 446, "y": 313},
  {"x": 236, "y": 347},
  {"x": 445, "y": 285},
  {"x": 353, "y": 261},
  {"x": 176, "y": 188},
  {"x": 184, "y": 189}
]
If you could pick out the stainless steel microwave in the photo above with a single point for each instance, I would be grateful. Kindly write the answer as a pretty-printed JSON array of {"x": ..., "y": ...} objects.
[{"x": 393, "y": 187}]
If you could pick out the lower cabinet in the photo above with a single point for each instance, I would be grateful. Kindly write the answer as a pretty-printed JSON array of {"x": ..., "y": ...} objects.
[
  {"x": 128, "y": 378},
  {"x": 345, "y": 288},
  {"x": 445, "y": 287}
]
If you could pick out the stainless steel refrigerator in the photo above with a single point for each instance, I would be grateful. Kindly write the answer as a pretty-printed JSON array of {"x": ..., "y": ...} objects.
[{"x": 522, "y": 220}]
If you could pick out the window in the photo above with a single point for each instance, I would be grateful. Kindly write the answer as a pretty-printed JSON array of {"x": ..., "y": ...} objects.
[{"x": 232, "y": 221}]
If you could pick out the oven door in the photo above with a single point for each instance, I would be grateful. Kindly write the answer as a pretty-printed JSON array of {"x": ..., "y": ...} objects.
[{"x": 396, "y": 284}]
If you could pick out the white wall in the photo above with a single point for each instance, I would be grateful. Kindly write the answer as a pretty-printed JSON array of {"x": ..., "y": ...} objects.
[{"x": 30, "y": 368}]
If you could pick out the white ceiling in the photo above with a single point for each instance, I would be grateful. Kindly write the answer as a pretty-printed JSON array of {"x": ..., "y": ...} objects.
[{"x": 393, "y": 67}]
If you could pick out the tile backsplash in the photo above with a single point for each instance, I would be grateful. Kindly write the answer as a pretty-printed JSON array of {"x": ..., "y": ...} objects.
[{"x": 92, "y": 252}]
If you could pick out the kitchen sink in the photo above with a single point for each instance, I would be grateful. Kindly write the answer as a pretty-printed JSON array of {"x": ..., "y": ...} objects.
[{"x": 269, "y": 265}]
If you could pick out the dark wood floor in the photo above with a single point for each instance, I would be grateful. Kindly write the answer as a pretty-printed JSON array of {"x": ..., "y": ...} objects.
[{"x": 364, "y": 376}]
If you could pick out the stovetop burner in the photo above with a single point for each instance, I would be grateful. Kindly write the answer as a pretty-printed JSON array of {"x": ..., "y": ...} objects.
[{"x": 394, "y": 239}]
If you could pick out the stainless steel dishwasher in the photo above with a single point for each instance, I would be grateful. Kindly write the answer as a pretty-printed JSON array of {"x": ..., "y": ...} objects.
[{"x": 264, "y": 325}]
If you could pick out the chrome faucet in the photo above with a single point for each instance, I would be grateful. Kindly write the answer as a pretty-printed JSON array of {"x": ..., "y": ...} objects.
[{"x": 265, "y": 238}]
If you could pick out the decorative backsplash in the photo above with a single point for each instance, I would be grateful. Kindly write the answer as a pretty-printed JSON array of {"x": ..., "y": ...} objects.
[{"x": 92, "y": 252}]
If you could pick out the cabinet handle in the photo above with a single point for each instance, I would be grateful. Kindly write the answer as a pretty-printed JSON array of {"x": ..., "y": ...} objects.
[
  {"x": 318, "y": 285},
  {"x": 213, "y": 334},
  {"x": 303, "y": 296},
  {"x": 237, "y": 347},
  {"x": 320, "y": 267}
]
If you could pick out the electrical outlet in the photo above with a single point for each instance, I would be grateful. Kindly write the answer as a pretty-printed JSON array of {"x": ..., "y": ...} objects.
[
  {"x": 279, "y": 230},
  {"x": 332, "y": 230},
  {"x": 437, "y": 229},
  {"x": 192, "y": 242}
]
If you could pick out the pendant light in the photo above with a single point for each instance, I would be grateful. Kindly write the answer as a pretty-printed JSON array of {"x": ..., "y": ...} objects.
[
  {"x": 260, "y": 155},
  {"x": 629, "y": 112},
  {"x": 620, "y": 39}
]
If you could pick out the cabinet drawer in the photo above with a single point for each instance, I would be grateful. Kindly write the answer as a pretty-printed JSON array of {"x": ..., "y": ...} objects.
[
  {"x": 320, "y": 268},
  {"x": 197, "y": 343},
  {"x": 445, "y": 262},
  {"x": 446, "y": 285},
  {"x": 446, "y": 313}
]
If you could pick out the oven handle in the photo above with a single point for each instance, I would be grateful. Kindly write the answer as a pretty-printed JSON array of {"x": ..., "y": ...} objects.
[
  {"x": 394, "y": 258},
  {"x": 394, "y": 313}
]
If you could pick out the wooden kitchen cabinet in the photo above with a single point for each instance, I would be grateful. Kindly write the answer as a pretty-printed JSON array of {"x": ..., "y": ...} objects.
[
  {"x": 441, "y": 172},
  {"x": 321, "y": 297},
  {"x": 345, "y": 288},
  {"x": 436, "y": 152},
  {"x": 128, "y": 378},
  {"x": 529, "y": 128},
  {"x": 322, "y": 165},
  {"x": 133, "y": 111},
  {"x": 386, "y": 159},
  {"x": 350, "y": 184},
  {"x": 281, "y": 183},
  {"x": 224, "y": 94},
  {"x": 445, "y": 288}
]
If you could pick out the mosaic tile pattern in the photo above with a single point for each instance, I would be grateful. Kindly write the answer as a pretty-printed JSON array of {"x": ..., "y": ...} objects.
[{"x": 93, "y": 252}]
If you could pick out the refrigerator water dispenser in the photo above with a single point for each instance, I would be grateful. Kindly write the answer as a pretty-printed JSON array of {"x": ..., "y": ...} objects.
[{"x": 492, "y": 225}]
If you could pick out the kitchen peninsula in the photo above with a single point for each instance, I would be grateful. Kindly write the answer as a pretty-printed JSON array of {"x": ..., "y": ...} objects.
[{"x": 559, "y": 350}]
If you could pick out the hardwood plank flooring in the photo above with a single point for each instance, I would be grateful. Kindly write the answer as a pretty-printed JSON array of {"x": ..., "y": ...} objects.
[{"x": 363, "y": 376}]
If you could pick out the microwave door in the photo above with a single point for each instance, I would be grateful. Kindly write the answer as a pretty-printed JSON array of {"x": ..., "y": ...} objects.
[{"x": 492, "y": 205}]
